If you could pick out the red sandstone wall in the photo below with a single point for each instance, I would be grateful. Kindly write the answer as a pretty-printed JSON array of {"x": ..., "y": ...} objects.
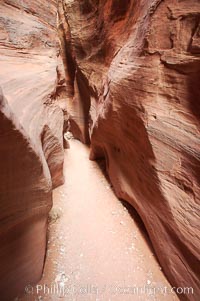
[
  {"x": 31, "y": 142},
  {"x": 135, "y": 95}
]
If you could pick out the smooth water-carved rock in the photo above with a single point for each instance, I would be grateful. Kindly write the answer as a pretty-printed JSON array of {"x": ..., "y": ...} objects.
[
  {"x": 25, "y": 193},
  {"x": 140, "y": 62},
  {"x": 31, "y": 137}
]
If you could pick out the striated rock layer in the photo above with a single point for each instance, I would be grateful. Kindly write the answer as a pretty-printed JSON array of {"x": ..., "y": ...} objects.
[
  {"x": 132, "y": 70},
  {"x": 31, "y": 137}
]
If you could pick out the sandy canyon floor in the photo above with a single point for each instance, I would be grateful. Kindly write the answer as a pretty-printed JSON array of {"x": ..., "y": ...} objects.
[{"x": 97, "y": 250}]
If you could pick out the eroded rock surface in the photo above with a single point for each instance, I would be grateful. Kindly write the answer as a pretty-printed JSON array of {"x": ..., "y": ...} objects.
[
  {"x": 25, "y": 192},
  {"x": 133, "y": 70},
  {"x": 31, "y": 137}
]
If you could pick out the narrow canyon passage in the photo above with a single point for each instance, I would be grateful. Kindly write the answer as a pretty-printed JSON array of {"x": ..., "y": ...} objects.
[
  {"x": 122, "y": 77},
  {"x": 95, "y": 248}
]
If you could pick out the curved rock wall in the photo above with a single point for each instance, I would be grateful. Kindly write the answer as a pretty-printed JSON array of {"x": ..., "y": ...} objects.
[
  {"x": 31, "y": 137},
  {"x": 25, "y": 193},
  {"x": 140, "y": 62}
]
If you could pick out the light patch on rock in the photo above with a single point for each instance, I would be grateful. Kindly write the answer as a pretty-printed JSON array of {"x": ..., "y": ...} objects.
[{"x": 55, "y": 214}]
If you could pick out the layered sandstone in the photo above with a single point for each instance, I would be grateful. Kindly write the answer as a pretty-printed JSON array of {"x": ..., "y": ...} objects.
[
  {"x": 31, "y": 137},
  {"x": 132, "y": 69}
]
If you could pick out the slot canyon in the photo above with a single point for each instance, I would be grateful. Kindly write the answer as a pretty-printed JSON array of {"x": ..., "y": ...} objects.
[{"x": 99, "y": 150}]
